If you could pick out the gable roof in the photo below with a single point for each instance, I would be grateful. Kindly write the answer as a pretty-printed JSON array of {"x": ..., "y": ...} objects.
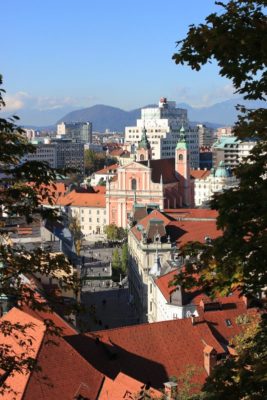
[
  {"x": 34, "y": 332},
  {"x": 199, "y": 173},
  {"x": 181, "y": 232},
  {"x": 64, "y": 374},
  {"x": 76, "y": 199},
  {"x": 148, "y": 352},
  {"x": 123, "y": 387},
  {"x": 164, "y": 168},
  {"x": 108, "y": 170}
]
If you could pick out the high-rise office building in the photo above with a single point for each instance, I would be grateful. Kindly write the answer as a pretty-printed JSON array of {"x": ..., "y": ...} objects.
[
  {"x": 80, "y": 132},
  {"x": 163, "y": 124}
]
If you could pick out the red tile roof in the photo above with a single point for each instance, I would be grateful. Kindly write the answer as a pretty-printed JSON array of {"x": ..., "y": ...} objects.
[
  {"x": 163, "y": 283},
  {"x": 199, "y": 173},
  {"x": 108, "y": 169},
  {"x": 188, "y": 231},
  {"x": 35, "y": 332},
  {"x": 164, "y": 168},
  {"x": 183, "y": 231},
  {"x": 123, "y": 387},
  {"x": 73, "y": 198},
  {"x": 191, "y": 213},
  {"x": 148, "y": 352},
  {"x": 64, "y": 374}
]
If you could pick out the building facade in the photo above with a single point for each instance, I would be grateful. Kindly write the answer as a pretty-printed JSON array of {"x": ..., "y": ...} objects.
[
  {"x": 163, "y": 124},
  {"x": 219, "y": 179},
  {"x": 230, "y": 150},
  {"x": 80, "y": 132}
]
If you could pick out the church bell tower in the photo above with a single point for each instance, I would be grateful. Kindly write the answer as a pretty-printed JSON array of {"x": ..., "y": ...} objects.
[{"x": 182, "y": 168}]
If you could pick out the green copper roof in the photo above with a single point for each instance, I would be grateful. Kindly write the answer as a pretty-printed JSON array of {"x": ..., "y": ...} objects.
[
  {"x": 181, "y": 144},
  {"x": 222, "y": 171},
  {"x": 144, "y": 143}
]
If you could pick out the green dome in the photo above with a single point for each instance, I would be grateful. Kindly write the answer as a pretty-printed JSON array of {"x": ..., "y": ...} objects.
[{"x": 222, "y": 171}]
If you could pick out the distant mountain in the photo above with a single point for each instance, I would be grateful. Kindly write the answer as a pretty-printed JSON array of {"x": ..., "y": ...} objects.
[
  {"x": 115, "y": 119},
  {"x": 104, "y": 117},
  {"x": 221, "y": 114}
]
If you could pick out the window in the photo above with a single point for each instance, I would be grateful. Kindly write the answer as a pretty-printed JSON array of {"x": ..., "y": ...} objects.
[
  {"x": 134, "y": 184},
  {"x": 228, "y": 322},
  {"x": 90, "y": 219},
  {"x": 181, "y": 157},
  {"x": 97, "y": 220},
  {"x": 150, "y": 287},
  {"x": 97, "y": 212}
]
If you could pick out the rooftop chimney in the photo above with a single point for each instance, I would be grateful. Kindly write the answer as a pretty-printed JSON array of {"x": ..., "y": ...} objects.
[
  {"x": 171, "y": 390},
  {"x": 210, "y": 358}
]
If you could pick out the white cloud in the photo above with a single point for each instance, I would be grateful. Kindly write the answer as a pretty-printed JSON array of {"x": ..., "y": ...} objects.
[
  {"x": 208, "y": 97},
  {"x": 15, "y": 101},
  {"x": 23, "y": 100}
]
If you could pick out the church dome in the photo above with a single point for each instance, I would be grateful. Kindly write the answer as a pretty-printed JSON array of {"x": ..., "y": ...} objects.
[{"x": 222, "y": 171}]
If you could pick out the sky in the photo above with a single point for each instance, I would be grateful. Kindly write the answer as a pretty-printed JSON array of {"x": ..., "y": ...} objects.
[{"x": 59, "y": 55}]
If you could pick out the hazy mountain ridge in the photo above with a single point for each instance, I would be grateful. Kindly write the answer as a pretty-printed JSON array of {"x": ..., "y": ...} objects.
[{"x": 115, "y": 119}]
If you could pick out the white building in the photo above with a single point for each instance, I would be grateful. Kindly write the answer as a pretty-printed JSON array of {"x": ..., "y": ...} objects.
[
  {"x": 214, "y": 181},
  {"x": 163, "y": 124},
  {"x": 168, "y": 302},
  {"x": 89, "y": 209},
  {"x": 101, "y": 176},
  {"x": 231, "y": 150}
]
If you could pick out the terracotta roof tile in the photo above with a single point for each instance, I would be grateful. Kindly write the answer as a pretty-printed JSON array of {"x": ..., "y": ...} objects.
[
  {"x": 164, "y": 167},
  {"x": 148, "y": 352},
  {"x": 73, "y": 198},
  {"x": 183, "y": 231},
  {"x": 108, "y": 169},
  {"x": 64, "y": 374},
  {"x": 18, "y": 381},
  {"x": 123, "y": 387},
  {"x": 199, "y": 173}
]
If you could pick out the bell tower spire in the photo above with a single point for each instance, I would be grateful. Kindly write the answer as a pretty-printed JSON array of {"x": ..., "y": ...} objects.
[
  {"x": 143, "y": 152},
  {"x": 182, "y": 168}
]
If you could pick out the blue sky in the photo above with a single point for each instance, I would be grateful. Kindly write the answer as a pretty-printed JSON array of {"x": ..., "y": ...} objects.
[{"x": 76, "y": 53}]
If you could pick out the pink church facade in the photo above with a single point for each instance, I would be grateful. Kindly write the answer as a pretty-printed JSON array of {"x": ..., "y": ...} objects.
[{"x": 158, "y": 184}]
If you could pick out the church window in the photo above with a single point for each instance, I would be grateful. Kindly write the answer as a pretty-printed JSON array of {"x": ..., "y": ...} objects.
[
  {"x": 142, "y": 157},
  {"x": 134, "y": 183},
  {"x": 181, "y": 157}
]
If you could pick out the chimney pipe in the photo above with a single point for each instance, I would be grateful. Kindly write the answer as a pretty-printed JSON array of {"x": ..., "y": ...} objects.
[
  {"x": 210, "y": 358},
  {"x": 170, "y": 390}
]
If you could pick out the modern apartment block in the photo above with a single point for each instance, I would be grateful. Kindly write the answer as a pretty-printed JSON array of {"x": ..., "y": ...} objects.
[
  {"x": 206, "y": 135},
  {"x": 80, "y": 132},
  {"x": 230, "y": 150},
  {"x": 59, "y": 153},
  {"x": 163, "y": 124}
]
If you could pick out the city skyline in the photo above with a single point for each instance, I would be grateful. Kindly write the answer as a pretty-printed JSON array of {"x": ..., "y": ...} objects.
[{"x": 65, "y": 56}]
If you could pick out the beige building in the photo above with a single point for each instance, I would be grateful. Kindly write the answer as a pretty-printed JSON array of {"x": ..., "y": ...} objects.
[{"x": 89, "y": 209}]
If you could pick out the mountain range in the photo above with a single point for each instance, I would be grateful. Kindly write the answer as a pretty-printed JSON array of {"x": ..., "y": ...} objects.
[{"x": 115, "y": 119}]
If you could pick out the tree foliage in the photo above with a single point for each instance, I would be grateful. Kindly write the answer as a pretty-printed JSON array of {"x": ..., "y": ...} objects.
[
  {"x": 235, "y": 37},
  {"x": 243, "y": 376},
  {"x": 75, "y": 229},
  {"x": 124, "y": 258},
  {"x": 23, "y": 186},
  {"x": 95, "y": 161},
  {"x": 115, "y": 232}
]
